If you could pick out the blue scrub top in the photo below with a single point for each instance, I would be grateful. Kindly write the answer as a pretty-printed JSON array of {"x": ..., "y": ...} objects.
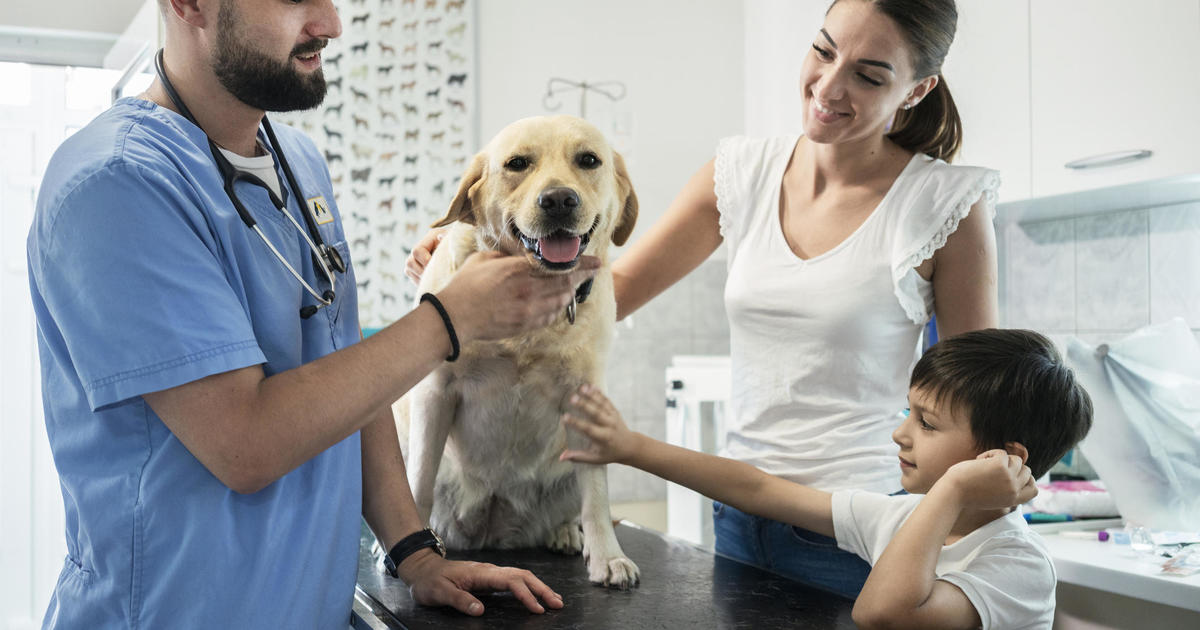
[{"x": 144, "y": 278}]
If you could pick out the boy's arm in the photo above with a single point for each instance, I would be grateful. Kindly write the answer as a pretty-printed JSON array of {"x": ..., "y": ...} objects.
[
  {"x": 902, "y": 590},
  {"x": 731, "y": 482}
]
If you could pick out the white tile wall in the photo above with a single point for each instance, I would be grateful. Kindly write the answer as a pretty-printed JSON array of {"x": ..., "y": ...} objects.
[
  {"x": 1040, "y": 270},
  {"x": 1111, "y": 274},
  {"x": 1175, "y": 263},
  {"x": 1100, "y": 277}
]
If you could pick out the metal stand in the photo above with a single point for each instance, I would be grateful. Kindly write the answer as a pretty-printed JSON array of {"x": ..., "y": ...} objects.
[{"x": 613, "y": 90}]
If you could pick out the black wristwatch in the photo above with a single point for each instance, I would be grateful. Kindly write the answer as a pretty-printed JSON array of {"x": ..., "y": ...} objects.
[{"x": 409, "y": 545}]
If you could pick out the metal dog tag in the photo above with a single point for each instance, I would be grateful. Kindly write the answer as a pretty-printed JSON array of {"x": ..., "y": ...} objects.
[{"x": 571, "y": 311}]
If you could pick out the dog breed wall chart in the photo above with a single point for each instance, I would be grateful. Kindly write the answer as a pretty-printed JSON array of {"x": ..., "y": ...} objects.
[{"x": 397, "y": 128}]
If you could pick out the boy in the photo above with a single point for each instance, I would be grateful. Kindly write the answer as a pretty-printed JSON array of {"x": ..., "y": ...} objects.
[{"x": 989, "y": 412}]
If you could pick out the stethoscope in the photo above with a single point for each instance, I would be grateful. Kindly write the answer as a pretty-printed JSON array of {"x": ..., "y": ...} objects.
[{"x": 324, "y": 256}]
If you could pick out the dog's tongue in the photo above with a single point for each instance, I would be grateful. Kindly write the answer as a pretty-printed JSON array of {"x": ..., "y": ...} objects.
[{"x": 559, "y": 249}]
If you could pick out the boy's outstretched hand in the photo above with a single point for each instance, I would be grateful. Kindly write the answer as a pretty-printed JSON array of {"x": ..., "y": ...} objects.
[
  {"x": 993, "y": 480},
  {"x": 594, "y": 415}
]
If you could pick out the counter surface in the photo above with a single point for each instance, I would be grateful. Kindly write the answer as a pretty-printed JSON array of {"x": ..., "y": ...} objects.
[
  {"x": 682, "y": 586},
  {"x": 1108, "y": 566}
]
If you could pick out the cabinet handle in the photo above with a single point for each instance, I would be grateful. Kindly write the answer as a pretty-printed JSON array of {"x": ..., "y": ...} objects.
[{"x": 1109, "y": 159}]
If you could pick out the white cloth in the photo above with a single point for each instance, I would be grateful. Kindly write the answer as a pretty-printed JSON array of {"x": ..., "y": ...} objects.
[
  {"x": 1003, "y": 568},
  {"x": 821, "y": 349},
  {"x": 1145, "y": 389}
]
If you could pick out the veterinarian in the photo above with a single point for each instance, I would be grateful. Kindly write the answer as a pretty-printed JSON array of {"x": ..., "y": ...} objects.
[
  {"x": 842, "y": 243},
  {"x": 218, "y": 428}
]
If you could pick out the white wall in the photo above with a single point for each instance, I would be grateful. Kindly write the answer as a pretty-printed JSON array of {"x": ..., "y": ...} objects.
[
  {"x": 681, "y": 62},
  {"x": 778, "y": 35}
]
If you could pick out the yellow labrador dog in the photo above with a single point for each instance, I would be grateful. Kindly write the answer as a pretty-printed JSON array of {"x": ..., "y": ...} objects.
[{"x": 483, "y": 432}]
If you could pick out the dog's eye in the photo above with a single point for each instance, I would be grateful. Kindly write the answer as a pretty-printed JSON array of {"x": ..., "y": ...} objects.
[
  {"x": 588, "y": 161},
  {"x": 517, "y": 164}
]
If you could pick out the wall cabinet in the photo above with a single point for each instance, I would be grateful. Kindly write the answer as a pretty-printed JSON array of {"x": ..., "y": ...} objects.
[
  {"x": 1044, "y": 83},
  {"x": 1111, "y": 77}
]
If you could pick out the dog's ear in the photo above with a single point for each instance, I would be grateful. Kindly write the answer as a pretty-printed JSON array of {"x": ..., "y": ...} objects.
[
  {"x": 460, "y": 206},
  {"x": 630, "y": 210}
]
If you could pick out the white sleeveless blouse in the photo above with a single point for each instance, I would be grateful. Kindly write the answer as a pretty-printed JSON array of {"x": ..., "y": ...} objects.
[{"x": 821, "y": 349}]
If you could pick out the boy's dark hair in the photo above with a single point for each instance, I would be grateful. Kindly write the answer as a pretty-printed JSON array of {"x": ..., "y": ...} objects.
[{"x": 1015, "y": 388}]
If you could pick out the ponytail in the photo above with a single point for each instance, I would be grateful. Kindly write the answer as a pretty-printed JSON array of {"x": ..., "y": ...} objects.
[{"x": 932, "y": 127}]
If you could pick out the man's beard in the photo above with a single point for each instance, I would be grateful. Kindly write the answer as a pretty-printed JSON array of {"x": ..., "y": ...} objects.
[{"x": 259, "y": 81}]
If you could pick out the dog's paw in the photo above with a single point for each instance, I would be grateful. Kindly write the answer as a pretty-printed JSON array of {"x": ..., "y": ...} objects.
[
  {"x": 619, "y": 572},
  {"x": 566, "y": 538}
]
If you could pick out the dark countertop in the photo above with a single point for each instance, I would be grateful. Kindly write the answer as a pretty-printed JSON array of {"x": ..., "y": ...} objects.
[{"x": 682, "y": 586}]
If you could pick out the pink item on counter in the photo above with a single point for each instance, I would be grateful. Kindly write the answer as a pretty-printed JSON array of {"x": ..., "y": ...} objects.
[{"x": 1073, "y": 486}]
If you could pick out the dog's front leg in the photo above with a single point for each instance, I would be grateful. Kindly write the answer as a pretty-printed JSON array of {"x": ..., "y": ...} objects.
[
  {"x": 432, "y": 411},
  {"x": 606, "y": 563}
]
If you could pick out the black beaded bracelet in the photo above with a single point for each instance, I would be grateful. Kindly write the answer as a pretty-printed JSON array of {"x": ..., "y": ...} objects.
[{"x": 437, "y": 304}]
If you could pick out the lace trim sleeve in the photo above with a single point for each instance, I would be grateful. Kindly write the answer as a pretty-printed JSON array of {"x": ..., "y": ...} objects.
[
  {"x": 915, "y": 306},
  {"x": 722, "y": 187}
]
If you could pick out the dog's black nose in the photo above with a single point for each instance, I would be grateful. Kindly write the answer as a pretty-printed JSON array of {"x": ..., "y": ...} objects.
[{"x": 558, "y": 202}]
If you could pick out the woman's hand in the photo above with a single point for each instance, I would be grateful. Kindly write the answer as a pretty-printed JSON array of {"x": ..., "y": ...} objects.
[
  {"x": 594, "y": 415},
  {"x": 435, "y": 581},
  {"x": 414, "y": 266}
]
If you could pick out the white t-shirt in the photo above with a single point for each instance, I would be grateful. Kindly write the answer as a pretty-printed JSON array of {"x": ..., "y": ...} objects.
[
  {"x": 1003, "y": 567},
  {"x": 261, "y": 166},
  {"x": 821, "y": 349}
]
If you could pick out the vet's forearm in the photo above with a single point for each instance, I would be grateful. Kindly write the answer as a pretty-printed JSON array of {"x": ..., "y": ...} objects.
[
  {"x": 318, "y": 404},
  {"x": 387, "y": 501},
  {"x": 250, "y": 430},
  {"x": 903, "y": 579}
]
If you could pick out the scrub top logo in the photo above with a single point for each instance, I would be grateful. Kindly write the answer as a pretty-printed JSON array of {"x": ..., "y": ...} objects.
[{"x": 320, "y": 210}]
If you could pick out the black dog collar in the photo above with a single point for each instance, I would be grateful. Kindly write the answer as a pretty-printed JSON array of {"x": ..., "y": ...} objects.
[
  {"x": 581, "y": 294},
  {"x": 583, "y": 291}
]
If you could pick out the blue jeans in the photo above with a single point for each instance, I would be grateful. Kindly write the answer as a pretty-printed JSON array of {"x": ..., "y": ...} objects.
[{"x": 790, "y": 551}]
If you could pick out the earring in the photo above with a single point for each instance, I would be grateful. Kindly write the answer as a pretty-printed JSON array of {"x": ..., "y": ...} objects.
[{"x": 908, "y": 106}]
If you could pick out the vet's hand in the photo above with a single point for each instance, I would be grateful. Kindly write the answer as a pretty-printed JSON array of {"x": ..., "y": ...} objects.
[
  {"x": 435, "y": 581},
  {"x": 993, "y": 480},
  {"x": 594, "y": 415},
  {"x": 414, "y": 266},
  {"x": 494, "y": 296}
]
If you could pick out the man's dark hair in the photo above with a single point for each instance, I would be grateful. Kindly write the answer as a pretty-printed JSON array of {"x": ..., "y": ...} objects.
[{"x": 1015, "y": 388}]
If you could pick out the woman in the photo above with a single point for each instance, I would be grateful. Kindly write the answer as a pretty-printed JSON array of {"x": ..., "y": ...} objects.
[{"x": 839, "y": 241}]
